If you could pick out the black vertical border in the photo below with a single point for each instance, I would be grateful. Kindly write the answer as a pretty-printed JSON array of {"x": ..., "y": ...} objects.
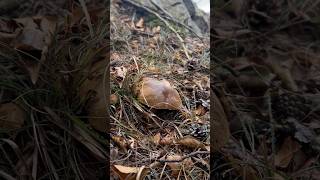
[
  {"x": 107, "y": 86},
  {"x": 211, "y": 86}
]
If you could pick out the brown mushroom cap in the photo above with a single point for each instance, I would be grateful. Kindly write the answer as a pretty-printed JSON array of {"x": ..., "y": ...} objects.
[{"x": 158, "y": 94}]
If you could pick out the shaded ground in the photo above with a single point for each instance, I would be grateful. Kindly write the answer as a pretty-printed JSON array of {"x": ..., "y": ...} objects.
[
  {"x": 266, "y": 56},
  {"x": 45, "y": 132}
]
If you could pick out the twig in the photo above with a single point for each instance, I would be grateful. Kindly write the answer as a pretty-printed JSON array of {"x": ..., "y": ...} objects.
[
  {"x": 273, "y": 139},
  {"x": 184, "y": 157},
  {"x": 135, "y": 62},
  {"x": 165, "y": 21}
]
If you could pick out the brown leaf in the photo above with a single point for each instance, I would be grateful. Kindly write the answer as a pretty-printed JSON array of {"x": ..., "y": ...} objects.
[
  {"x": 153, "y": 69},
  {"x": 302, "y": 133},
  {"x": 97, "y": 108},
  {"x": 30, "y": 39},
  {"x": 130, "y": 173},
  {"x": 77, "y": 14},
  {"x": 11, "y": 116},
  {"x": 140, "y": 23},
  {"x": 167, "y": 140},
  {"x": 132, "y": 143},
  {"x": 33, "y": 69},
  {"x": 119, "y": 74},
  {"x": 120, "y": 142},
  {"x": 114, "y": 99},
  {"x": 156, "y": 30},
  {"x": 176, "y": 167},
  {"x": 98, "y": 113},
  {"x": 156, "y": 139},
  {"x": 95, "y": 78},
  {"x": 281, "y": 65},
  {"x": 218, "y": 120},
  {"x": 97, "y": 104},
  {"x": 36, "y": 33},
  {"x": 115, "y": 56},
  {"x": 190, "y": 142},
  {"x": 200, "y": 111},
  {"x": 286, "y": 153}
]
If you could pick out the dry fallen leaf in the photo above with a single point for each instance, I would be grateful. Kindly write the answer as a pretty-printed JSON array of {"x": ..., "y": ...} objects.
[
  {"x": 156, "y": 30},
  {"x": 11, "y": 116},
  {"x": 120, "y": 142},
  {"x": 36, "y": 34},
  {"x": 200, "y": 111},
  {"x": 115, "y": 56},
  {"x": 130, "y": 173},
  {"x": 167, "y": 140},
  {"x": 140, "y": 23},
  {"x": 190, "y": 142},
  {"x": 286, "y": 152},
  {"x": 97, "y": 103},
  {"x": 176, "y": 167},
  {"x": 156, "y": 139},
  {"x": 153, "y": 69},
  {"x": 33, "y": 69},
  {"x": 177, "y": 56},
  {"x": 218, "y": 120},
  {"x": 158, "y": 94},
  {"x": 302, "y": 133},
  {"x": 132, "y": 143},
  {"x": 97, "y": 111},
  {"x": 114, "y": 99},
  {"x": 119, "y": 74}
]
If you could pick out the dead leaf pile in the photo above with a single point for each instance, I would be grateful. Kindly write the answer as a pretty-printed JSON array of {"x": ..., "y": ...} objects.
[
  {"x": 11, "y": 116},
  {"x": 30, "y": 34}
]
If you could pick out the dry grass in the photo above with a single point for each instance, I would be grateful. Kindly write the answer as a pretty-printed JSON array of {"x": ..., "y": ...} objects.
[{"x": 55, "y": 141}]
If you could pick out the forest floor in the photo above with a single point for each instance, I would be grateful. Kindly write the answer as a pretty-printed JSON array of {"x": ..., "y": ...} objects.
[
  {"x": 160, "y": 143},
  {"x": 54, "y": 61},
  {"x": 54, "y": 65},
  {"x": 266, "y": 56},
  {"x": 46, "y": 51}
]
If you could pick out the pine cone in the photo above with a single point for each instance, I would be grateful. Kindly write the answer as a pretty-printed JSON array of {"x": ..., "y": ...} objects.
[
  {"x": 200, "y": 131},
  {"x": 290, "y": 105}
]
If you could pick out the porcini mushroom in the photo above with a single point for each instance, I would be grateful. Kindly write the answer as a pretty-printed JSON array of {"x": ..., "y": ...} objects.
[{"x": 158, "y": 94}]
